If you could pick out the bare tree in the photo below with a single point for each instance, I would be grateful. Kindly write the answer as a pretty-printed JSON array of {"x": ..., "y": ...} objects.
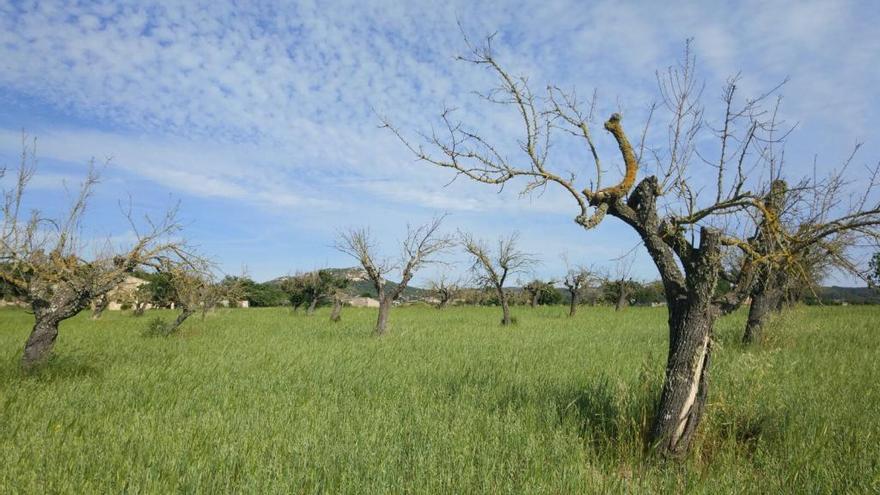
[
  {"x": 577, "y": 279},
  {"x": 418, "y": 249},
  {"x": 45, "y": 260},
  {"x": 622, "y": 281},
  {"x": 444, "y": 289},
  {"x": 194, "y": 289},
  {"x": 492, "y": 268},
  {"x": 685, "y": 223}
]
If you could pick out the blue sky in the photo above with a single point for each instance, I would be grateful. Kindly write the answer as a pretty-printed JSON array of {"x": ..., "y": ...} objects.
[{"x": 260, "y": 118}]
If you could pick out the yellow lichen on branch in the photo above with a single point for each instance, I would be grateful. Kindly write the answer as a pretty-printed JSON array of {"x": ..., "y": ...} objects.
[{"x": 629, "y": 158}]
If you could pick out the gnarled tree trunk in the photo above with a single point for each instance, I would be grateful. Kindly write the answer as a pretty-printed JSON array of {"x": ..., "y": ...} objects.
[
  {"x": 574, "y": 303},
  {"x": 40, "y": 342},
  {"x": 692, "y": 317},
  {"x": 621, "y": 297},
  {"x": 312, "y": 306},
  {"x": 336, "y": 315}
]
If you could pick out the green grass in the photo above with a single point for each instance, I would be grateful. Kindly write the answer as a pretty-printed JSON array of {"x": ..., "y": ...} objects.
[{"x": 261, "y": 401}]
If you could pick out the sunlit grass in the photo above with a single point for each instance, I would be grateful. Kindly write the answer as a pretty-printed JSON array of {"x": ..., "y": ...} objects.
[{"x": 262, "y": 401}]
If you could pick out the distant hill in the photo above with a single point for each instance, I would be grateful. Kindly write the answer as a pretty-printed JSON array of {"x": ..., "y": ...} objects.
[{"x": 849, "y": 295}]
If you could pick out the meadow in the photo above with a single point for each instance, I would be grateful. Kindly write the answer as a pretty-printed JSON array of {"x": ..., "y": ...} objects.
[{"x": 263, "y": 401}]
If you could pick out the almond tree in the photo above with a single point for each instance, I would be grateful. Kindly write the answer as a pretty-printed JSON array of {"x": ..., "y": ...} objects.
[
  {"x": 577, "y": 279},
  {"x": 492, "y": 268},
  {"x": 445, "y": 290},
  {"x": 686, "y": 218},
  {"x": 48, "y": 264},
  {"x": 419, "y": 248}
]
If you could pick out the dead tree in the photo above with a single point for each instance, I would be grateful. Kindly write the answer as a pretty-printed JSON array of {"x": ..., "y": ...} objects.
[
  {"x": 445, "y": 290},
  {"x": 420, "y": 247},
  {"x": 48, "y": 265},
  {"x": 685, "y": 224},
  {"x": 492, "y": 268}
]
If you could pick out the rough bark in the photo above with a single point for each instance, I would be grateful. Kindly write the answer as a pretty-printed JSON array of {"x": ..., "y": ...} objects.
[
  {"x": 100, "y": 306},
  {"x": 691, "y": 320},
  {"x": 40, "y": 342},
  {"x": 505, "y": 307},
  {"x": 336, "y": 315},
  {"x": 382, "y": 321},
  {"x": 572, "y": 310},
  {"x": 766, "y": 295}
]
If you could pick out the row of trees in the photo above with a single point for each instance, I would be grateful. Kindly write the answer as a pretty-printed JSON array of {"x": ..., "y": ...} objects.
[{"x": 737, "y": 220}]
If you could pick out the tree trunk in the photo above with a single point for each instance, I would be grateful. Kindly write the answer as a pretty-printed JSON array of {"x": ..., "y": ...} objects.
[
  {"x": 764, "y": 301},
  {"x": 505, "y": 308},
  {"x": 574, "y": 304},
  {"x": 443, "y": 301},
  {"x": 100, "y": 306},
  {"x": 692, "y": 315},
  {"x": 621, "y": 299},
  {"x": 382, "y": 321},
  {"x": 535, "y": 297},
  {"x": 139, "y": 308},
  {"x": 336, "y": 315},
  {"x": 184, "y": 314},
  {"x": 312, "y": 306},
  {"x": 40, "y": 342}
]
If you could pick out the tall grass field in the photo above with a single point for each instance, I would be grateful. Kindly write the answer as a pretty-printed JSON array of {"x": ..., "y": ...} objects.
[{"x": 265, "y": 401}]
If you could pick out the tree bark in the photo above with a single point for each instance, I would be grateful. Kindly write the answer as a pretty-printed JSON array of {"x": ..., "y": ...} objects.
[
  {"x": 40, "y": 342},
  {"x": 574, "y": 303},
  {"x": 692, "y": 316},
  {"x": 312, "y": 306},
  {"x": 100, "y": 306},
  {"x": 336, "y": 315},
  {"x": 184, "y": 314},
  {"x": 505, "y": 308},
  {"x": 621, "y": 298},
  {"x": 535, "y": 297},
  {"x": 382, "y": 321}
]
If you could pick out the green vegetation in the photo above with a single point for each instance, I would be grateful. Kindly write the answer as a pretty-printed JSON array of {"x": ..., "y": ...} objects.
[{"x": 262, "y": 401}]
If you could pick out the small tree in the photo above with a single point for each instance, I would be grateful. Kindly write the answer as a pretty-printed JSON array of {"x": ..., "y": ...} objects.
[
  {"x": 49, "y": 268},
  {"x": 445, "y": 290},
  {"x": 541, "y": 292},
  {"x": 491, "y": 269},
  {"x": 577, "y": 280},
  {"x": 419, "y": 248}
]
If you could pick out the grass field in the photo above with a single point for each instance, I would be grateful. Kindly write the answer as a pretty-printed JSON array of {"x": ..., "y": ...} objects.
[{"x": 262, "y": 401}]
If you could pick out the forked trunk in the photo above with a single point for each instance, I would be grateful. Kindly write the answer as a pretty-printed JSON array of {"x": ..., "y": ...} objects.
[
  {"x": 336, "y": 315},
  {"x": 683, "y": 398},
  {"x": 574, "y": 304},
  {"x": 312, "y": 306},
  {"x": 382, "y": 321},
  {"x": 139, "y": 308},
  {"x": 40, "y": 342}
]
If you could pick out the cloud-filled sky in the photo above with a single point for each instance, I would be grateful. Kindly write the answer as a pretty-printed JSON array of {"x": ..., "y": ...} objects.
[{"x": 261, "y": 118}]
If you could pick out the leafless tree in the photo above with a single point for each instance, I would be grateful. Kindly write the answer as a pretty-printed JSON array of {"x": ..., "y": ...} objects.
[
  {"x": 577, "y": 279},
  {"x": 622, "y": 279},
  {"x": 687, "y": 219},
  {"x": 492, "y": 268},
  {"x": 419, "y": 248},
  {"x": 46, "y": 262},
  {"x": 194, "y": 289},
  {"x": 444, "y": 289}
]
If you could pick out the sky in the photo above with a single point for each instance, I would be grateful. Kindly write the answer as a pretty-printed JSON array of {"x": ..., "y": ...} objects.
[{"x": 262, "y": 119}]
